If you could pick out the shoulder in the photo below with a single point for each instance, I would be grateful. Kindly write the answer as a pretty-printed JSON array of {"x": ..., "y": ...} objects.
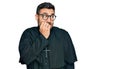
[
  {"x": 30, "y": 29},
  {"x": 61, "y": 31},
  {"x": 31, "y": 33}
]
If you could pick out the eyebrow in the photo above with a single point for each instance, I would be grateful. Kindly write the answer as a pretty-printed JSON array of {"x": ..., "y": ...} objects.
[{"x": 47, "y": 13}]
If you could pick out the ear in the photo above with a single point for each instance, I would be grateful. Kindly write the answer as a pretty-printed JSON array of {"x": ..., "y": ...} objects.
[{"x": 36, "y": 16}]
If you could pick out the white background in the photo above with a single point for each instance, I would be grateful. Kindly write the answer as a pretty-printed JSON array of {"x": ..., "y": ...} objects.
[{"x": 94, "y": 26}]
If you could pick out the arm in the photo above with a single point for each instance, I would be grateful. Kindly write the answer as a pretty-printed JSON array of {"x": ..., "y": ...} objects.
[
  {"x": 30, "y": 46},
  {"x": 29, "y": 49},
  {"x": 70, "y": 54}
]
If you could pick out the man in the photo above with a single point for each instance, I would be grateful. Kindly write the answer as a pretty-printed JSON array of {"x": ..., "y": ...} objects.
[{"x": 46, "y": 46}]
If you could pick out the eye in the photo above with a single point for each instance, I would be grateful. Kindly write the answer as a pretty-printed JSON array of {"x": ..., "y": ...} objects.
[
  {"x": 44, "y": 15},
  {"x": 52, "y": 16}
]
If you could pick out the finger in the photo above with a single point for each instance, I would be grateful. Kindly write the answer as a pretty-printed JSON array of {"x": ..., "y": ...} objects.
[
  {"x": 49, "y": 26},
  {"x": 42, "y": 25},
  {"x": 46, "y": 25}
]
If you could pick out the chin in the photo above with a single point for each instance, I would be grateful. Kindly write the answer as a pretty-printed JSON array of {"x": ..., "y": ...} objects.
[{"x": 51, "y": 26}]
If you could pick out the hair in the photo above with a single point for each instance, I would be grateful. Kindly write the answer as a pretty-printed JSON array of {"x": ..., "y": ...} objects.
[{"x": 47, "y": 5}]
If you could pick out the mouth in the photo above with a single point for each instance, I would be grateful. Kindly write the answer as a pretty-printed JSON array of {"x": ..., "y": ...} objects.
[{"x": 49, "y": 23}]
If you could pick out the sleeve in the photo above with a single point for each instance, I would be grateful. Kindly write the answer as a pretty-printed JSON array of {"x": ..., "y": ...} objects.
[
  {"x": 69, "y": 66},
  {"x": 29, "y": 49},
  {"x": 70, "y": 54}
]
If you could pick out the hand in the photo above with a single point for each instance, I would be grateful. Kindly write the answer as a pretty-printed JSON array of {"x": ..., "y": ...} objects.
[{"x": 45, "y": 29}]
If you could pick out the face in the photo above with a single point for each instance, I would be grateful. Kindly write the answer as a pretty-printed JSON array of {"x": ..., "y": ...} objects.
[{"x": 45, "y": 15}]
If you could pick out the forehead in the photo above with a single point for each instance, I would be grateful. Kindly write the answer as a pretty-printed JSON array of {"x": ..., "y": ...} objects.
[{"x": 47, "y": 11}]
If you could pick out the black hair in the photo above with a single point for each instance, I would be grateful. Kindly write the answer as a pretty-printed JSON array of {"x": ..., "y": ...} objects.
[{"x": 47, "y": 5}]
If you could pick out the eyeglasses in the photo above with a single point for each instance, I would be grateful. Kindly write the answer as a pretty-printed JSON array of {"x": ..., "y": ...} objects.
[{"x": 45, "y": 16}]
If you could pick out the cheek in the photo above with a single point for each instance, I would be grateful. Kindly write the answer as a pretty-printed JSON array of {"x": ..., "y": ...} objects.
[
  {"x": 40, "y": 20},
  {"x": 52, "y": 22}
]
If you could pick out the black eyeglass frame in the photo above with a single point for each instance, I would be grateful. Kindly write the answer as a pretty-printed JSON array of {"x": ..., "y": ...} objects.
[{"x": 45, "y": 17}]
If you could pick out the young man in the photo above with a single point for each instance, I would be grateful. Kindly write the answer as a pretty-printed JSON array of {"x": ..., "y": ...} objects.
[{"x": 46, "y": 46}]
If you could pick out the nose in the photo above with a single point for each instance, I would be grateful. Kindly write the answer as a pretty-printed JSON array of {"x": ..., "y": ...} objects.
[{"x": 49, "y": 19}]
